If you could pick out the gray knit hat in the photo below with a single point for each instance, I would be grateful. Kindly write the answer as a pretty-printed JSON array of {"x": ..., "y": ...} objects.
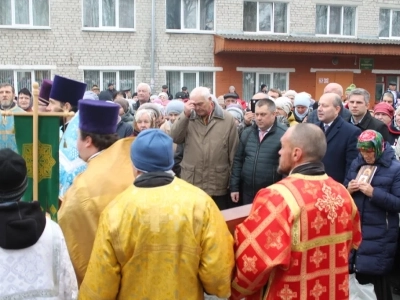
[{"x": 175, "y": 106}]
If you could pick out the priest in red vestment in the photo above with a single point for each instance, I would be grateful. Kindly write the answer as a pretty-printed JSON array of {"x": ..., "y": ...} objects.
[{"x": 296, "y": 241}]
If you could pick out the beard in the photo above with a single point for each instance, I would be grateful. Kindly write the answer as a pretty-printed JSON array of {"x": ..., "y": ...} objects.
[{"x": 6, "y": 104}]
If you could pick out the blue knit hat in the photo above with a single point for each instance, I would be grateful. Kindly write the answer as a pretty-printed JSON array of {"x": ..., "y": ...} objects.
[
  {"x": 152, "y": 151},
  {"x": 175, "y": 106}
]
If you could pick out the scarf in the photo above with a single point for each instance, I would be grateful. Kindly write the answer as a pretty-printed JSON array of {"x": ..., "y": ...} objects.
[
  {"x": 301, "y": 116},
  {"x": 371, "y": 140}
]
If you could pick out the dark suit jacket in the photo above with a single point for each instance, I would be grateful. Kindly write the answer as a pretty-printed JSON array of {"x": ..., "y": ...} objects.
[
  {"x": 369, "y": 122},
  {"x": 341, "y": 138}
]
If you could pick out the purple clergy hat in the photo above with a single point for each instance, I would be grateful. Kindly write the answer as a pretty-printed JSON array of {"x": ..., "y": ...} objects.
[
  {"x": 45, "y": 89},
  {"x": 98, "y": 116},
  {"x": 67, "y": 90}
]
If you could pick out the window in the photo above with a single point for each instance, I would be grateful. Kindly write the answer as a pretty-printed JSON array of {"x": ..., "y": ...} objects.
[
  {"x": 190, "y": 15},
  {"x": 389, "y": 23},
  {"x": 109, "y": 14},
  {"x": 176, "y": 80},
  {"x": 336, "y": 20},
  {"x": 265, "y": 17},
  {"x": 253, "y": 81},
  {"x": 121, "y": 79},
  {"x": 24, "y": 13},
  {"x": 23, "y": 79}
]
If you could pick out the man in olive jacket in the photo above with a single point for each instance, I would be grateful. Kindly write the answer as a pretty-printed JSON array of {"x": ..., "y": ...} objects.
[
  {"x": 256, "y": 161},
  {"x": 211, "y": 139}
]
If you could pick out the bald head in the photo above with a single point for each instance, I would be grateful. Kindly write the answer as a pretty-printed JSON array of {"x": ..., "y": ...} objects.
[
  {"x": 310, "y": 139},
  {"x": 334, "y": 88},
  {"x": 259, "y": 96},
  {"x": 303, "y": 143}
]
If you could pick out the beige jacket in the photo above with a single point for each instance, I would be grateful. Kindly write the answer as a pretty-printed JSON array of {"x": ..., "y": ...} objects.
[{"x": 209, "y": 150}]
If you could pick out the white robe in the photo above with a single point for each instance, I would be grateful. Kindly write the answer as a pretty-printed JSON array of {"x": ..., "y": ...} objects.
[{"x": 41, "y": 272}]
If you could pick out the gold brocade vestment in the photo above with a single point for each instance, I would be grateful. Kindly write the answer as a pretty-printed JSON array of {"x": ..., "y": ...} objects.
[
  {"x": 107, "y": 175},
  {"x": 167, "y": 242}
]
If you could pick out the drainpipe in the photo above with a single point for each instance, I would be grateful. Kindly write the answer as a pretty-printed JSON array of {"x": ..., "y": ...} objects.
[{"x": 153, "y": 38}]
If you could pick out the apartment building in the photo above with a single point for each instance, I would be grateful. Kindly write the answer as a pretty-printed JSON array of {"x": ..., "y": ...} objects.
[{"x": 296, "y": 44}]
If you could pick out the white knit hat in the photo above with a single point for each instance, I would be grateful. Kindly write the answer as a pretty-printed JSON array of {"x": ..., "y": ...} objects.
[
  {"x": 284, "y": 103},
  {"x": 302, "y": 99}
]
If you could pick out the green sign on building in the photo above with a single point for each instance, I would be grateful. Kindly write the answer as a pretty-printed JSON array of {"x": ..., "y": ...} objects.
[{"x": 366, "y": 63}]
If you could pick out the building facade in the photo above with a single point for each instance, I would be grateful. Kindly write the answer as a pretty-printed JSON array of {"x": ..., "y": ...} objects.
[{"x": 292, "y": 44}]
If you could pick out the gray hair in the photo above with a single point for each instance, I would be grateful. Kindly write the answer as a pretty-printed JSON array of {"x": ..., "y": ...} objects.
[
  {"x": 202, "y": 91},
  {"x": 397, "y": 111},
  {"x": 142, "y": 112},
  {"x": 360, "y": 92},
  {"x": 310, "y": 139},
  {"x": 145, "y": 85}
]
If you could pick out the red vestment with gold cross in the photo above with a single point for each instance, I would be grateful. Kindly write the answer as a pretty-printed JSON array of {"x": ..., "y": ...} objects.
[{"x": 296, "y": 241}]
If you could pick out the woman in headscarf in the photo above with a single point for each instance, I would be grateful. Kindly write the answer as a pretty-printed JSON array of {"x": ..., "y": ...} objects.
[
  {"x": 378, "y": 202},
  {"x": 25, "y": 100}
]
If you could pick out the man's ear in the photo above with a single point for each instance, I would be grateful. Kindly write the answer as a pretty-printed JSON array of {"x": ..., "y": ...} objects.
[{"x": 67, "y": 107}]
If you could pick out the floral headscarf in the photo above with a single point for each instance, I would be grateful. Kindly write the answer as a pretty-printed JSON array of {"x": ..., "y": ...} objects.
[{"x": 371, "y": 140}]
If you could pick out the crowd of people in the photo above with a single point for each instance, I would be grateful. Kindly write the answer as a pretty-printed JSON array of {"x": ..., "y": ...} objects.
[{"x": 143, "y": 181}]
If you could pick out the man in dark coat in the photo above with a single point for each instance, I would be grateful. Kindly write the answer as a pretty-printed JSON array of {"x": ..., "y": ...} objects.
[
  {"x": 360, "y": 116},
  {"x": 256, "y": 161},
  {"x": 341, "y": 137}
]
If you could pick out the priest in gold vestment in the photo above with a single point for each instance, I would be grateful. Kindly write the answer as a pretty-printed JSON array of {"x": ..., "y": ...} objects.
[
  {"x": 162, "y": 238},
  {"x": 108, "y": 173},
  {"x": 296, "y": 241}
]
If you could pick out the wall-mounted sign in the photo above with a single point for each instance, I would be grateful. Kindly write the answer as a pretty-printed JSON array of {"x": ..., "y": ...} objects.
[{"x": 366, "y": 63}]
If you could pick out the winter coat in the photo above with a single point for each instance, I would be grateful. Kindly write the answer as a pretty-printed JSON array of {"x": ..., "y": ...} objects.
[
  {"x": 256, "y": 163},
  {"x": 209, "y": 149},
  {"x": 378, "y": 214},
  {"x": 369, "y": 122},
  {"x": 394, "y": 134}
]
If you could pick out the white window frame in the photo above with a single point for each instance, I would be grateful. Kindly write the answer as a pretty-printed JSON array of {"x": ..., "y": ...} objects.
[
  {"x": 342, "y": 18},
  {"x": 110, "y": 28},
  {"x": 196, "y": 70},
  {"x": 26, "y": 68},
  {"x": 267, "y": 71},
  {"x": 390, "y": 24},
  {"x": 191, "y": 30},
  {"x": 26, "y": 26},
  {"x": 109, "y": 69},
  {"x": 272, "y": 22}
]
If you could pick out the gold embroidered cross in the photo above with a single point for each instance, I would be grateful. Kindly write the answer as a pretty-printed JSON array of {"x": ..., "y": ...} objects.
[
  {"x": 344, "y": 218},
  {"x": 274, "y": 239},
  {"x": 344, "y": 253},
  {"x": 249, "y": 264},
  {"x": 317, "y": 257},
  {"x": 318, "y": 222},
  {"x": 345, "y": 286},
  {"x": 318, "y": 290},
  {"x": 154, "y": 217},
  {"x": 286, "y": 293}
]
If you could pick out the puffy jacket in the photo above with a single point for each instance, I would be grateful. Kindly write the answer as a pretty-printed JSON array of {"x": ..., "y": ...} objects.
[
  {"x": 256, "y": 163},
  {"x": 378, "y": 214}
]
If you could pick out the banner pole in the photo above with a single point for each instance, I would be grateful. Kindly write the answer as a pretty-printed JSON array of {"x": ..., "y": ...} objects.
[{"x": 35, "y": 140}]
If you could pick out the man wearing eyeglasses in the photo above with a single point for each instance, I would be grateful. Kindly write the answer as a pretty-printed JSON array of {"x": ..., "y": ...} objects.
[{"x": 256, "y": 161}]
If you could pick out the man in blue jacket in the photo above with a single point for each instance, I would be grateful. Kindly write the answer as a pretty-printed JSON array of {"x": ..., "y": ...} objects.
[{"x": 341, "y": 137}]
